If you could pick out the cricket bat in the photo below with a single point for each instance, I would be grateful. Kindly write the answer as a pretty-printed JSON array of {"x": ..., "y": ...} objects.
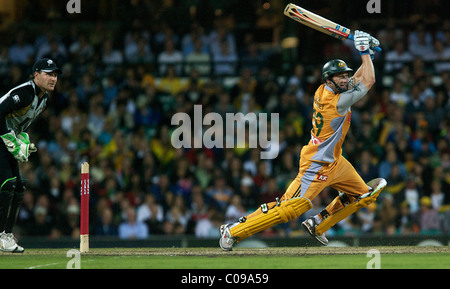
[{"x": 318, "y": 23}]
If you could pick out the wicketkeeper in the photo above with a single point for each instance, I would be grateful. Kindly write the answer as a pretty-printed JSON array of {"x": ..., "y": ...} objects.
[
  {"x": 18, "y": 108},
  {"x": 321, "y": 160}
]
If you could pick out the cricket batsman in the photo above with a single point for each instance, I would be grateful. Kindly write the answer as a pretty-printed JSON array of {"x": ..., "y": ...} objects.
[
  {"x": 321, "y": 161},
  {"x": 18, "y": 108}
]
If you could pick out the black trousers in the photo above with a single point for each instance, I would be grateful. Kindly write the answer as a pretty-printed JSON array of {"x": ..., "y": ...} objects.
[{"x": 11, "y": 197}]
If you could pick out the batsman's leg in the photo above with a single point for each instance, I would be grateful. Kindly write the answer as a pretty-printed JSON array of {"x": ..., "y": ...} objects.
[
  {"x": 344, "y": 205},
  {"x": 342, "y": 176},
  {"x": 282, "y": 212},
  {"x": 270, "y": 214}
]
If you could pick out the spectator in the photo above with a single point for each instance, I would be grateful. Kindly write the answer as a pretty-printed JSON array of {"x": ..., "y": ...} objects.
[
  {"x": 199, "y": 207},
  {"x": 165, "y": 34},
  {"x": 297, "y": 83},
  {"x": 270, "y": 191},
  {"x": 410, "y": 195},
  {"x": 139, "y": 53},
  {"x": 249, "y": 193},
  {"x": 21, "y": 53},
  {"x": 178, "y": 215},
  {"x": 170, "y": 82},
  {"x": 25, "y": 219},
  {"x": 385, "y": 167},
  {"x": 404, "y": 221},
  {"x": 105, "y": 226},
  {"x": 207, "y": 227},
  {"x": 428, "y": 218},
  {"x": 81, "y": 50},
  {"x": 252, "y": 57},
  {"x": 398, "y": 94},
  {"x": 438, "y": 198},
  {"x": 365, "y": 167},
  {"x": 414, "y": 104},
  {"x": 220, "y": 193},
  {"x": 367, "y": 216},
  {"x": 110, "y": 55},
  {"x": 388, "y": 214},
  {"x": 235, "y": 210},
  {"x": 170, "y": 56},
  {"x": 195, "y": 41},
  {"x": 397, "y": 58},
  {"x": 225, "y": 60},
  {"x": 150, "y": 209},
  {"x": 420, "y": 41},
  {"x": 267, "y": 88},
  {"x": 440, "y": 55},
  {"x": 42, "y": 226},
  {"x": 151, "y": 213},
  {"x": 222, "y": 37},
  {"x": 131, "y": 228},
  {"x": 198, "y": 59},
  {"x": 55, "y": 50}
]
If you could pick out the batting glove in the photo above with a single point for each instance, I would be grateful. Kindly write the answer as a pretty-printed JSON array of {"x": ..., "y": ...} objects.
[
  {"x": 374, "y": 42},
  {"x": 362, "y": 42}
]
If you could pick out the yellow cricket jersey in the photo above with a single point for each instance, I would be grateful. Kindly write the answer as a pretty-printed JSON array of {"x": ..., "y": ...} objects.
[{"x": 329, "y": 128}]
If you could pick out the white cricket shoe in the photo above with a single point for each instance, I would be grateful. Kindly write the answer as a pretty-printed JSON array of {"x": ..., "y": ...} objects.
[
  {"x": 309, "y": 225},
  {"x": 226, "y": 240},
  {"x": 8, "y": 243}
]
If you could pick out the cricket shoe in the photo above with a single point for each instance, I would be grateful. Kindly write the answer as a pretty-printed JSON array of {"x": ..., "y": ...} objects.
[
  {"x": 226, "y": 240},
  {"x": 309, "y": 225},
  {"x": 8, "y": 243}
]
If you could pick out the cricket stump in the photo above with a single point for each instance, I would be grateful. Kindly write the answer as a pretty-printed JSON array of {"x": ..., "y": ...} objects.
[{"x": 84, "y": 216}]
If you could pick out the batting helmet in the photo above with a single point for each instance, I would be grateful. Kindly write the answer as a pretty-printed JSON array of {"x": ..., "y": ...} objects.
[{"x": 333, "y": 67}]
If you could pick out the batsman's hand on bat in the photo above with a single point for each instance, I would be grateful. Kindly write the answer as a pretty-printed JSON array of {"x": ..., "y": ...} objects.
[
  {"x": 19, "y": 146},
  {"x": 373, "y": 44},
  {"x": 365, "y": 43}
]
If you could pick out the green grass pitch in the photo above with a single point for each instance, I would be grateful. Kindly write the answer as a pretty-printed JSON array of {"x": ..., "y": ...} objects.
[{"x": 240, "y": 258}]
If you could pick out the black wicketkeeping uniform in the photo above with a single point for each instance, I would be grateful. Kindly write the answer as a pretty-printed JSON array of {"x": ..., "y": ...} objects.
[{"x": 18, "y": 108}]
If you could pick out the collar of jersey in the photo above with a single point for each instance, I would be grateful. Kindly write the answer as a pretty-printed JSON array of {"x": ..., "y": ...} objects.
[
  {"x": 37, "y": 89},
  {"x": 329, "y": 88}
]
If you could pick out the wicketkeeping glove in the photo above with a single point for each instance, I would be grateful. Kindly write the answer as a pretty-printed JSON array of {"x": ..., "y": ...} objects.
[
  {"x": 25, "y": 138},
  {"x": 20, "y": 147}
]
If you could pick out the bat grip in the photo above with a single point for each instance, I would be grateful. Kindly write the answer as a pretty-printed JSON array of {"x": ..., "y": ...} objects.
[{"x": 350, "y": 36}]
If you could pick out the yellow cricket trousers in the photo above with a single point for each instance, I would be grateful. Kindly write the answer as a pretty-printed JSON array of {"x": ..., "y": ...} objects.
[{"x": 313, "y": 177}]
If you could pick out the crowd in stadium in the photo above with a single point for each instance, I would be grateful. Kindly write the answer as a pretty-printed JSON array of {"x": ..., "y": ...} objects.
[{"x": 113, "y": 107}]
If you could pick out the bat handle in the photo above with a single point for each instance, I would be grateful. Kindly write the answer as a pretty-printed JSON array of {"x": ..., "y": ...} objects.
[{"x": 350, "y": 36}]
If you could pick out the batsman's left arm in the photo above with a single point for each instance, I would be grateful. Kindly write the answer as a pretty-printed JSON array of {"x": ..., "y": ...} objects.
[
  {"x": 367, "y": 75},
  {"x": 365, "y": 71}
]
